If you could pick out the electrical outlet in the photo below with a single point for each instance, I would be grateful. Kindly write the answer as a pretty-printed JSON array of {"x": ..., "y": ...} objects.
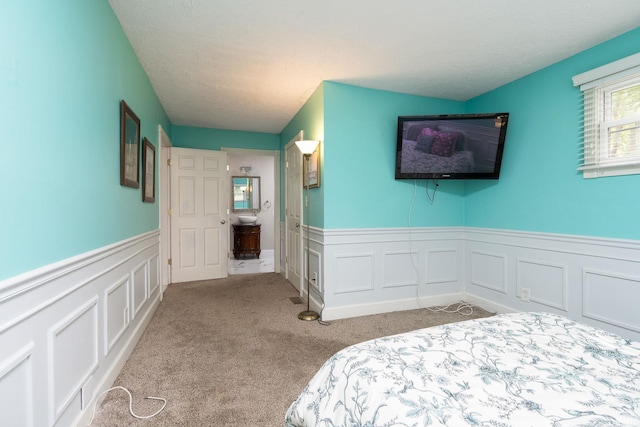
[
  {"x": 525, "y": 294},
  {"x": 315, "y": 281}
]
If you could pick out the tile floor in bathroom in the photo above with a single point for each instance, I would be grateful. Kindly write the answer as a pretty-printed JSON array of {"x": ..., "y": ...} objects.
[{"x": 249, "y": 265}]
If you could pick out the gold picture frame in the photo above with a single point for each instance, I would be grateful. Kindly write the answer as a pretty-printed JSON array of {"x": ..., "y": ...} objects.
[
  {"x": 148, "y": 172},
  {"x": 129, "y": 147}
]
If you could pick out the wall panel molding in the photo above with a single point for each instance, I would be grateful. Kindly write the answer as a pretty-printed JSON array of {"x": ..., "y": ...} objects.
[
  {"x": 400, "y": 268},
  {"x": 548, "y": 279},
  {"x": 370, "y": 271},
  {"x": 577, "y": 276},
  {"x": 355, "y": 272},
  {"x": 72, "y": 355},
  {"x": 594, "y": 280},
  {"x": 488, "y": 270},
  {"x": 139, "y": 287},
  {"x": 16, "y": 387},
  {"x": 443, "y": 265},
  {"x": 116, "y": 312},
  {"x": 605, "y": 290},
  {"x": 77, "y": 316}
]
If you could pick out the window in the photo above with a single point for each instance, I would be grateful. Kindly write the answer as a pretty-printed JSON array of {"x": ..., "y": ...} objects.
[{"x": 611, "y": 128}]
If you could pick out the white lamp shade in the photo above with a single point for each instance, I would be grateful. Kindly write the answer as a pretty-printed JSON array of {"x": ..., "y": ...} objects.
[{"x": 307, "y": 146}]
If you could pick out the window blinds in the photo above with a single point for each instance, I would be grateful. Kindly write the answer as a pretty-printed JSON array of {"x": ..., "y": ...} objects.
[{"x": 597, "y": 157}]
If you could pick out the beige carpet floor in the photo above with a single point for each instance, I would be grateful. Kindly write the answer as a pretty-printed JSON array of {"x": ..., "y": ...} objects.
[{"x": 231, "y": 352}]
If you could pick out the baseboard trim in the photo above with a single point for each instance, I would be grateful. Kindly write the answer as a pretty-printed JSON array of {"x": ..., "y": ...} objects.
[
  {"x": 357, "y": 310},
  {"x": 487, "y": 305}
]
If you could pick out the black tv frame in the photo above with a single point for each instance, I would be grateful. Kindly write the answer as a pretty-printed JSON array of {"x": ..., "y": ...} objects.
[{"x": 499, "y": 121}]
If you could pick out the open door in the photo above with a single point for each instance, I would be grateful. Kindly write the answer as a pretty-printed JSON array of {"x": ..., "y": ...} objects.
[
  {"x": 164, "y": 190},
  {"x": 293, "y": 209},
  {"x": 199, "y": 218}
]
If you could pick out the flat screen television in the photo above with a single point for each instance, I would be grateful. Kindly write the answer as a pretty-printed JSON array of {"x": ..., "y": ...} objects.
[{"x": 451, "y": 146}]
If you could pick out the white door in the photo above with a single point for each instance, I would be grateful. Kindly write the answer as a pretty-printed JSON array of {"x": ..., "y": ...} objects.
[
  {"x": 164, "y": 192},
  {"x": 294, "y": 214},
  {"x": 199, "y": 219}
]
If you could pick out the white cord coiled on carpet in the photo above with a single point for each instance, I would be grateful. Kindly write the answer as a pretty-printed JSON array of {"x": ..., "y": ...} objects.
[
  {"x": 464, "y": 308},
  {"x": 140, "y": 417}
]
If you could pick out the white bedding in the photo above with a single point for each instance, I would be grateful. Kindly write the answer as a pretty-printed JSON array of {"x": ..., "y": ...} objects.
[{"x": 520, "y": 369}]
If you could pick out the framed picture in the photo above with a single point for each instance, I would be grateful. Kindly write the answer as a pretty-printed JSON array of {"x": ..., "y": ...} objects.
[
  {"x": 312, "y": 175},
  {"x": 148, "y": 171},
  {"x": 129, "y": 147}
]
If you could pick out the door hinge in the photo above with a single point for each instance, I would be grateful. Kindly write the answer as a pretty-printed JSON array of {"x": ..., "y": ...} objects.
[
  {"x": 169, "y": 261},
  {"x": 169, "y": 212},
  {"x": 168, "y": 162}
]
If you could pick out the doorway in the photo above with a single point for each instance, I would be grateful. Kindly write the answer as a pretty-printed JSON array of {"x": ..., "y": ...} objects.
[{"x": 264, "y": 164}]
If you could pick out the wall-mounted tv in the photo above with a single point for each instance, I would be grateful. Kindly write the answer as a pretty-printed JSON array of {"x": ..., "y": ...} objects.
[{"x": 451, "y": 146}]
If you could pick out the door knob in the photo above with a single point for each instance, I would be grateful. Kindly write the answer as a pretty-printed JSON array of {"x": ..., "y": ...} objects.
[
  {"x": 223, "y": 222},
  {"x": 297, "y": 225}
]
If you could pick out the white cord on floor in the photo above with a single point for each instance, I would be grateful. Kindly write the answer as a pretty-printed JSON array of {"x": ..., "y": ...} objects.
[
  {"x": 463, "y": 308},
  {"x": 140, "y": 417}
]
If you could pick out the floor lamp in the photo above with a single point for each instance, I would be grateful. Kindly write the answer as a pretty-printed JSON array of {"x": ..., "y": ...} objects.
[{"x": 307, "y": 147}]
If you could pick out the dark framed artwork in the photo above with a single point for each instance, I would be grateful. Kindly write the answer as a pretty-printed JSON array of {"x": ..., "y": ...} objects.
[
  {"x": 129, "y": 147},
  {"x": 148, "y": 171},
  {"x": 311, "y": 175}
]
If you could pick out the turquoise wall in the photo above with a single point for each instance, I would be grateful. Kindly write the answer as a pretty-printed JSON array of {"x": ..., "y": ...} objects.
[
  {"x": 64, "y": 67},
  {"x": 539, "y": 188},
  {"x": 310, "y": 120},
  {"x": 214, "y": 139},
  {"x": 360, "y": 189}
]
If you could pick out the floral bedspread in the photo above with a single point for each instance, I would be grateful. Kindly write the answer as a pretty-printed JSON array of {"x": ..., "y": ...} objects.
[{"x": 519, "y": 369}]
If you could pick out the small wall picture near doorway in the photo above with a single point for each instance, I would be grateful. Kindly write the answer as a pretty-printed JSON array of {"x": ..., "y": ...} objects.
[
  {"x": 148, "y": 172},
  {"x": 129, "y": 147},
  {"x": 312, "y": 176}
]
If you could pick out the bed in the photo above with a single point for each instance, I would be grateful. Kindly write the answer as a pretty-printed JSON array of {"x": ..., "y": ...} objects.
[{"x": 517, "y": 369}]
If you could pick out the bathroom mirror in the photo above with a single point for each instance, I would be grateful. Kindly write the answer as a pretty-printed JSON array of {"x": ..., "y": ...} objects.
[{"x": 245, "y": 193}]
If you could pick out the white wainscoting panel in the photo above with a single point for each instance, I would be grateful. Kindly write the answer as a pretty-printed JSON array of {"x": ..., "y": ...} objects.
[
  {"x": 368, "y": 271},
  {"x": 139, "y": 285},
  {"x": 16, "y": 388},
  {"x": 548, "y": 280},
  {"x": 589, "y": 279},
  {"x": 315, "y": 261},
  {"x": 154, "y": 274},
  {"x": 116, "y": 312},
  {"x": 73, "y": 355},
  {"x": 611, "y": 297},
  {"x": 443, "y": 265},
  {"x": 488, "y": 270},
  {"x": 354, "y": 272},
  {"x": 66, "y": 330},
  {"x": 400, "y": 269}
]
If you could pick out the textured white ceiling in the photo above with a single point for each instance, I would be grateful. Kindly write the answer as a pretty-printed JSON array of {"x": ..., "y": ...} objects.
[{"x": 251, "y": 64}]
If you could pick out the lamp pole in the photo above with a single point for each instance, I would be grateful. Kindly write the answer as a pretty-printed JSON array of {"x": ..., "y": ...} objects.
[{"x": 308, "y": 314}]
